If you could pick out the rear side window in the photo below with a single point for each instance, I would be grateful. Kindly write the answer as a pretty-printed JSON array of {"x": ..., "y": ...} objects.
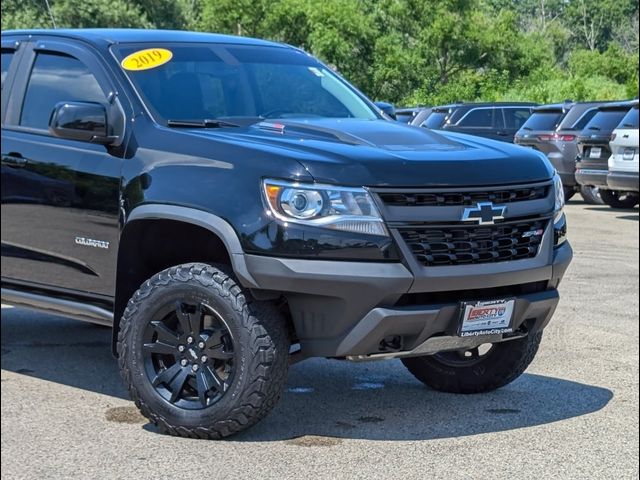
[
  {"x": 605, "y": 120},
  {"x": 404, "y": 117},
  {"x": 435, "y": 120},
  {"x": 56, "y": 78},
  {"x": 544, "y": 120},
  {"x": 630, "y": 120},
  {"x": 7, "y": 55},
  {"x": 516, "y": 117},
  {"x": 478, "y": 117},
  {"x": 584, "y": 119}
]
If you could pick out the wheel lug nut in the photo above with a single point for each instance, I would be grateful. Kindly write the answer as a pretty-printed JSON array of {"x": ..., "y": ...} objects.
[
  {"x": 181, "y": 348},
  {"x": 200, "y": 344},
  {"x": 190, "y": 340},
  {"x": 204, "y": 359},
  {"x": 183, "y": 362},
  {"x": 194, "y": 368}
]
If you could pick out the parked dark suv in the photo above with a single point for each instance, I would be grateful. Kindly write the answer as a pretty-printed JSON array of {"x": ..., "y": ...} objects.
[
  {"x": 592, "y": 166},
  {"x": 232, "y": 206},
  {"x": 410, "y": 115},
  {"x": 498, "y": 121},
  {"x": 553, "y": 130}
]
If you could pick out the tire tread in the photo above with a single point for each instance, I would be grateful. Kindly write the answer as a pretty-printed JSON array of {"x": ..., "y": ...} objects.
[
  {"x": 470, "y": 380},
  {"x": 268, "y": 362}
]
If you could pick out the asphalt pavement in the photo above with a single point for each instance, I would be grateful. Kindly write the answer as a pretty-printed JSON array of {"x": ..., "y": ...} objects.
[{"x": 573, "y": 414}]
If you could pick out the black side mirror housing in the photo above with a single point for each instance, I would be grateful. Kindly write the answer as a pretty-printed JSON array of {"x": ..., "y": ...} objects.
[
  {"x": 82, "y": 121},
  {"x": 387, "y": 108}
]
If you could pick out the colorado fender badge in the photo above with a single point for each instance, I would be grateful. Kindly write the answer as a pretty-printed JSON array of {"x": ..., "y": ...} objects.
[
  {"x": 146, "y": 59},
  {"x": 90, "y": 242}
]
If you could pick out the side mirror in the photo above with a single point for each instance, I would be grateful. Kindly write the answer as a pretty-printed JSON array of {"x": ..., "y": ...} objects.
[
  {"x": 83, "y": 121},
  {"x": 387, "y": 108}
]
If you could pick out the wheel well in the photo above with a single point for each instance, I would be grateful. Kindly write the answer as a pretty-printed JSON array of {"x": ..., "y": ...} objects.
[{"x": 149, "y": 246}]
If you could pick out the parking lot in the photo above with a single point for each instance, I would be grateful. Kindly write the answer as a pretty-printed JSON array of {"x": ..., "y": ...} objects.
[{"x": 574, "y": 414}]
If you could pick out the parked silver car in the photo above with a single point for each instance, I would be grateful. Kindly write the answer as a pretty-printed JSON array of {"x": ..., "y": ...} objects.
[{"x": 553, "y": 130}]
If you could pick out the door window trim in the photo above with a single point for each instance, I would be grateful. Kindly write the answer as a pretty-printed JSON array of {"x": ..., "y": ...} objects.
[
  {"x": 14, "y": 44},
  {"x": 513, "y": 107},
  {"x": 80, "y": 53},
  {"x": 493, "y": 118}
]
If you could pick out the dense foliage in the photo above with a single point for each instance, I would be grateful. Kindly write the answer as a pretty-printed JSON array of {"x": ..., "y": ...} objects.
[{"x": 407, "y": 51}]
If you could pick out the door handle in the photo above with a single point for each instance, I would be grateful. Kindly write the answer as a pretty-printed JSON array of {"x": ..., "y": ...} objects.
[
  {"x": 14, "y": 160},
  {"x": 502, "y": 133}
]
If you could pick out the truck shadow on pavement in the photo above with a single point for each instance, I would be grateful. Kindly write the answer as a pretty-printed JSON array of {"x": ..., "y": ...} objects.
[
  {"x": 325, "y": 400},
  {"x": 630, "y": 214}
]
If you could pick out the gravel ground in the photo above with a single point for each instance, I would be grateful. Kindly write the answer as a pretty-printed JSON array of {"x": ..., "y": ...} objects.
[{"x": 574, "y": 414}]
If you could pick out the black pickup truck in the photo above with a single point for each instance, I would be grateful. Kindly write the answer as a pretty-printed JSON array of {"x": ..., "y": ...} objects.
[{"x": 232, "y": 205}]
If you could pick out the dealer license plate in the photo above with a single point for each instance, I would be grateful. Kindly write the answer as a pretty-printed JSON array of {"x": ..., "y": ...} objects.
[
  {"x": 595, "y": 152},
  {"x": 629, "y": 153},
  {"x": 486, "y": 317}
]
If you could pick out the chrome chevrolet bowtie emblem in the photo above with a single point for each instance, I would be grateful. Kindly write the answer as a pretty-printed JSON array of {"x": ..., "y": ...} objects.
[{"x": 484, "y": 213}]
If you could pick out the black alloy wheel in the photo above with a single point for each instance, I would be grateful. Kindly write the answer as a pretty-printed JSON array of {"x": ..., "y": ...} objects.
[
  {"x": 199, "y": 355},
  {"x": 189, "y": 355}
]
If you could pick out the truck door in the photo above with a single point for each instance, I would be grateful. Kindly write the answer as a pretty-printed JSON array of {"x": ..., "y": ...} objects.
[{"x": 60, "y": 197}]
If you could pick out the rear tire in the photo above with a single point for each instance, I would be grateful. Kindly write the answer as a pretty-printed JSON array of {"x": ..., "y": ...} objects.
[
  {"x": 591, "y": 195},
  {"x": 569, "y": 192},
  {"x": 619, "y": 199},
  {"x": 455, "y": 372},
  {"x": 199, "y": 358}
]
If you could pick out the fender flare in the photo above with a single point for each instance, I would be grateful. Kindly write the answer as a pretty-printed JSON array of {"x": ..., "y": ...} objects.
[{"x": 218, "y": 226}]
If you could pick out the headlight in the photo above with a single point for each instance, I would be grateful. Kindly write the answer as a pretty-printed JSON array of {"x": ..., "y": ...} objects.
[
  {"x": 559, "y": 196},
  {"x": 325, "y": 206},
  {"x": 559, "y": 220}
]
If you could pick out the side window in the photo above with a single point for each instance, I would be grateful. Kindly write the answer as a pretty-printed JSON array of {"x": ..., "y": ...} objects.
[
  {"x": 478, "y": 118},
  {"x": 515, "y": 117},
  {"x": 7, "y": 55},
  {"x": 56, "y": 78},
  {"x": 584, "y": 119}
]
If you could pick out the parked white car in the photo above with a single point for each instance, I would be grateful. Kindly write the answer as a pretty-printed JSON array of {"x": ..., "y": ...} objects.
[{"x": 622, "y": 180}]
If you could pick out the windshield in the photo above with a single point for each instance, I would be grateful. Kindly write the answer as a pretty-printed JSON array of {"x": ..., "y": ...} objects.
[
  {"x": 630, "y": 120},
  {"x": 209, "y": 81},
  {"x": 435, "y": 120},
  {"x": 605, "y": 120},
  {"x": 545, "y": 120}
]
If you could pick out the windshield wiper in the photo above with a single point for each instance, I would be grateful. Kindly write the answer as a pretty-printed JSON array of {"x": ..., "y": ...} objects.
[
  {"x": 595, "y": 128},
  {"x": 205, "y": 123},
  {"x": 527, "y": 128}
]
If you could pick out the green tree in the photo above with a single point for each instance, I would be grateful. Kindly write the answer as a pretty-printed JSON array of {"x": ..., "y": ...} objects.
[{"x": 408, "y": 51}]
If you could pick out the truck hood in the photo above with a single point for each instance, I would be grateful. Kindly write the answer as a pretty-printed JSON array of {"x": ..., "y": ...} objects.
[{"x": 381, "y": 153}]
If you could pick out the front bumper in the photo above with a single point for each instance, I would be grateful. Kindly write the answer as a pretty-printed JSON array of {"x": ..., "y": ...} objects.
[
  {"x": 623, "y": 181},
  {"x": 592, "y": 177},
  {"x": 349, "y": 309}
]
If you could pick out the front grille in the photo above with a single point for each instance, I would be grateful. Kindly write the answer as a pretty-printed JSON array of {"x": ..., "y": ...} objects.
[
  {"x": 444, "y": 199},
  {"x": 474, "y": 244}
]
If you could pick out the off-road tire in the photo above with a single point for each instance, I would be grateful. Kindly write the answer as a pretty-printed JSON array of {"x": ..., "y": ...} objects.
[
  {"x": 591, "y": 195},
  {"x": 619, "y": 199},
  {"x": 504, "y": 363},
  {"x": 261, "y": 340}
]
